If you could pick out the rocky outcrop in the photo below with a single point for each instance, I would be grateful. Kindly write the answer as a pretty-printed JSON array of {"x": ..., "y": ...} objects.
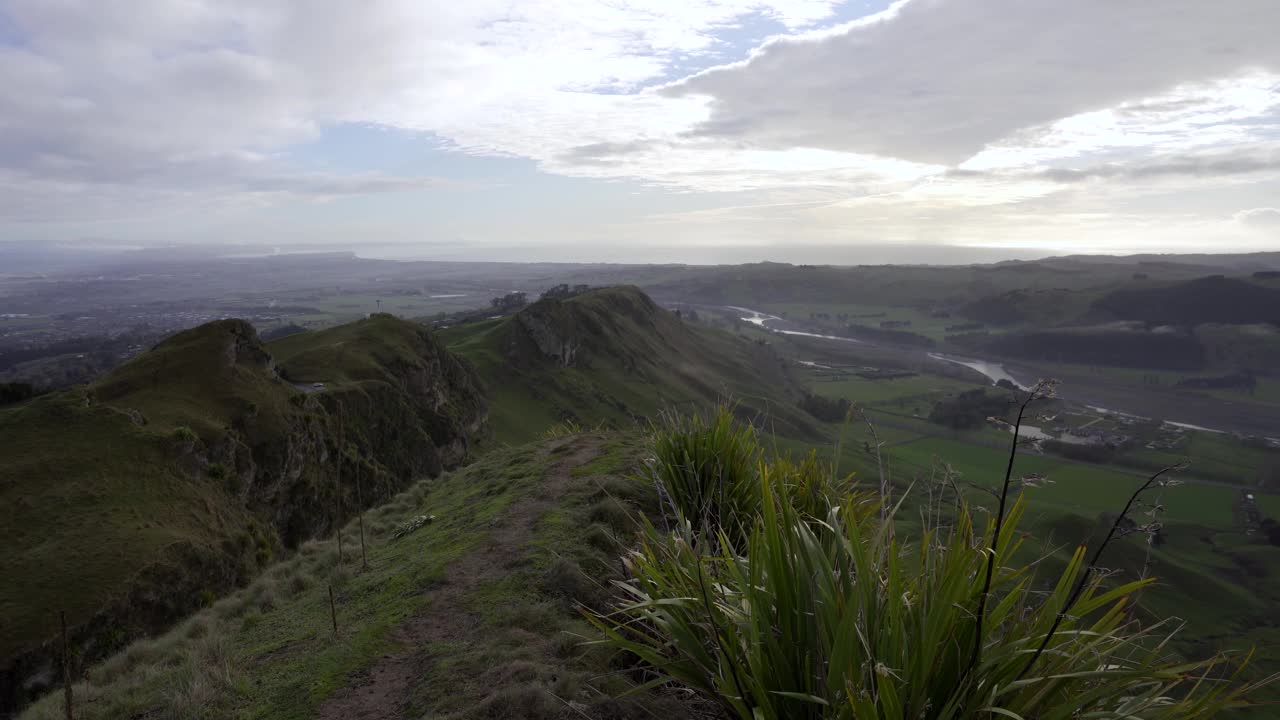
[
  {"x": 573, "y": 331},
  {"x": 551, "y": 335}
]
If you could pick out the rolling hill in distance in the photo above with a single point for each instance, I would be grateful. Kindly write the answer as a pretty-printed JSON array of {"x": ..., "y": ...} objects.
[{"x": 182, "y": 508}]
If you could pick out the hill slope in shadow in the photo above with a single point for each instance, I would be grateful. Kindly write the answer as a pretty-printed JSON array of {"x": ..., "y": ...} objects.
[
  {"x": 183, "y": 472},
  {"x": 614, "y": 356}
]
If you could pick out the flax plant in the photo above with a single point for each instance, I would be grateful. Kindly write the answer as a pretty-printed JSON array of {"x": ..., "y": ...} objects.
[{"x": 781, "y": 592}]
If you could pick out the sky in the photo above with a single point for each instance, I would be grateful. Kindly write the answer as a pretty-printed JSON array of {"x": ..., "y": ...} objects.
[{"x": 632, "y": 130}]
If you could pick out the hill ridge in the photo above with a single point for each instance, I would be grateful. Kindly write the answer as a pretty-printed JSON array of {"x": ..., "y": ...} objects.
[
  {"x": 190, "y": 467},
  {"x": 614, "y": 356}
]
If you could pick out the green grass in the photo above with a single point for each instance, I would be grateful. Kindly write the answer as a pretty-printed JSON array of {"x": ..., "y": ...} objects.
[
  {"x": 101, "y": 496},
  {"x": 92, "y": 499},
  {"x": 634, "y": 360},
  {"x": 903, "y": 394},
  {"x": 1267, "y": 391},
  {"x": 189, "y": 466},
  {"x": 1077, "y": 488},
  {"x": 1091, "y": 488},
  {"x": 196, "y": 378},
  {"x": 357, "y": 351},
  {"x": 336, "y": 309},
  {"x": 1222, "y": 592},
  {"x": 1215, "y": 456},
  {"x": 823, "y": 610},
  {"x": 1224, "y": 451},
  {"x": 922, "y": 323},
  {"x": 283, "y": 661},
  {"x": 290, "y": 654}
]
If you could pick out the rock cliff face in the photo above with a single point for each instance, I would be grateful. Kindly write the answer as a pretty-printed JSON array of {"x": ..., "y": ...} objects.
[
  {"x": 575, "y": 332},
  {"x": 202, "y": 460},
  {"x": 553, "y": 334}
]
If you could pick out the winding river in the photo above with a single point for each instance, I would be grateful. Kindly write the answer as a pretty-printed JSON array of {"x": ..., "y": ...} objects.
[{"x": 994, "y": 372}]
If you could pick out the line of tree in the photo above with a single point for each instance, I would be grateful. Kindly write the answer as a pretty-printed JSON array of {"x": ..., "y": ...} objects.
[
  {"x": 17, "y": 392},
  {"x": 1241, "y": 381},
  {"x": 970, "y": 409},
  {"x": 824, "y": 408},
  {"x": 896, "y": 337},
  {"x": 509, "y": 302},
  {"x": 1123, "y": 348},
  {"x": 564, "y": 291}
]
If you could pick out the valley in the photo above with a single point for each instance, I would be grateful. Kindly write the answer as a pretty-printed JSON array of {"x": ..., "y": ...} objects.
[{"x": 183, "y": 503}]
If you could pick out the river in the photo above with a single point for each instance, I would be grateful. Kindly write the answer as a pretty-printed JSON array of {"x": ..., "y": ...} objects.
[{"x": 995, "y": 372}]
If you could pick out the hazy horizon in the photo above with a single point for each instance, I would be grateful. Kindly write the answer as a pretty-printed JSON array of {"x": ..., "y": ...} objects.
[{"x": 31, "y": 257}]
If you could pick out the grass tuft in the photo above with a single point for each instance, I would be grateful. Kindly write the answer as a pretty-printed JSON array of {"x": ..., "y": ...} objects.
[{"x": 782, "y": 593}]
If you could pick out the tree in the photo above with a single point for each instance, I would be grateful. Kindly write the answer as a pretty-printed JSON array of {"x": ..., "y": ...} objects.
[
  {"x": 1271, "y": 529},
  {"x": 559, "y": 292},
  {"x": 510, "y": 301},
  {"x": 16, "y": 392},
  {"x": 825, "y": 408},
  {"x": 564, "y": 291},
  {"x": 969, "y": 409}
]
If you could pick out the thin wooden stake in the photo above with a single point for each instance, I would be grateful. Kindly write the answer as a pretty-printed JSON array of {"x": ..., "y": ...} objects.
[
  {"x": 364, "y": 555},
  {"x": 66, "y": 665},
  {"x": 338, "y": 481},
  {"x": 333, "y": 612}
]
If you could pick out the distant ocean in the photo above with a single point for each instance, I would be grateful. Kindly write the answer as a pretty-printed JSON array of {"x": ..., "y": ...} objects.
[{"x": 879, "y": 254}]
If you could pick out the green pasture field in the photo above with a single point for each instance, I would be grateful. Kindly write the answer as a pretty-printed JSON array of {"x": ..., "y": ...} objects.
[{"x": 921, "y": 322}]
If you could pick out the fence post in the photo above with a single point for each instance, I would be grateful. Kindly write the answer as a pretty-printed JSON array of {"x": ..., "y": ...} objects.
[
  {"x": 333, "y": 612},
  {"x": 66, "y": 665},
  {"x": 364, "y": 555},
  {"x": 338, "y": 480}
]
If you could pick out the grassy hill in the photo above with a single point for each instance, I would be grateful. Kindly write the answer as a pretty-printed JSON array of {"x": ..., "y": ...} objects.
[
  {"x": 184, "y": 475},
  {"x": 1212, "y": 299},
  {"x": 614, "y": 356},
  {"x": 472, "y": 615},
  {"x": 185, "y": 471}
]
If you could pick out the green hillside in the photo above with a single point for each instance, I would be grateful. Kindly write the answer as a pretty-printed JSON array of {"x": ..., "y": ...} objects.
[
  {"x": 473, "y": 615},
  {"x": 196, "y": 464},
  {"x": 200, "y": 480},
  {"x": 614, "y": 356},
  {"x": 181, "y": 474}
]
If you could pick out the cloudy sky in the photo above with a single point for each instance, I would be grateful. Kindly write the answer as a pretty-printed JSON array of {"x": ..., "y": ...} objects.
[{"x": 631, "y": 129}]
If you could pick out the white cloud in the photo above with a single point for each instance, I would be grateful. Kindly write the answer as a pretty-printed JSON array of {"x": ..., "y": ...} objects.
[
  {"x": 960, "y": 119},
  {"x": 154, "y": 93},
  {"x": 1265, "y": 218},
  {"x": 1232, "y": 112},
  {"x": 935, "y": 81}
]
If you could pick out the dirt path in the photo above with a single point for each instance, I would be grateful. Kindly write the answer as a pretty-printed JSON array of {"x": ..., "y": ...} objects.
[{"x": 381, "y": 692}]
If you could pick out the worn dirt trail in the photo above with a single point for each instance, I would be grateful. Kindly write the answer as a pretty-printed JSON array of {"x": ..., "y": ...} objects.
[{"x": 382, "y": 691}]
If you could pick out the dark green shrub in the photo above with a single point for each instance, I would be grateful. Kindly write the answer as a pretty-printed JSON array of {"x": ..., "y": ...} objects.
[{"x": 828, "y": 615}]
